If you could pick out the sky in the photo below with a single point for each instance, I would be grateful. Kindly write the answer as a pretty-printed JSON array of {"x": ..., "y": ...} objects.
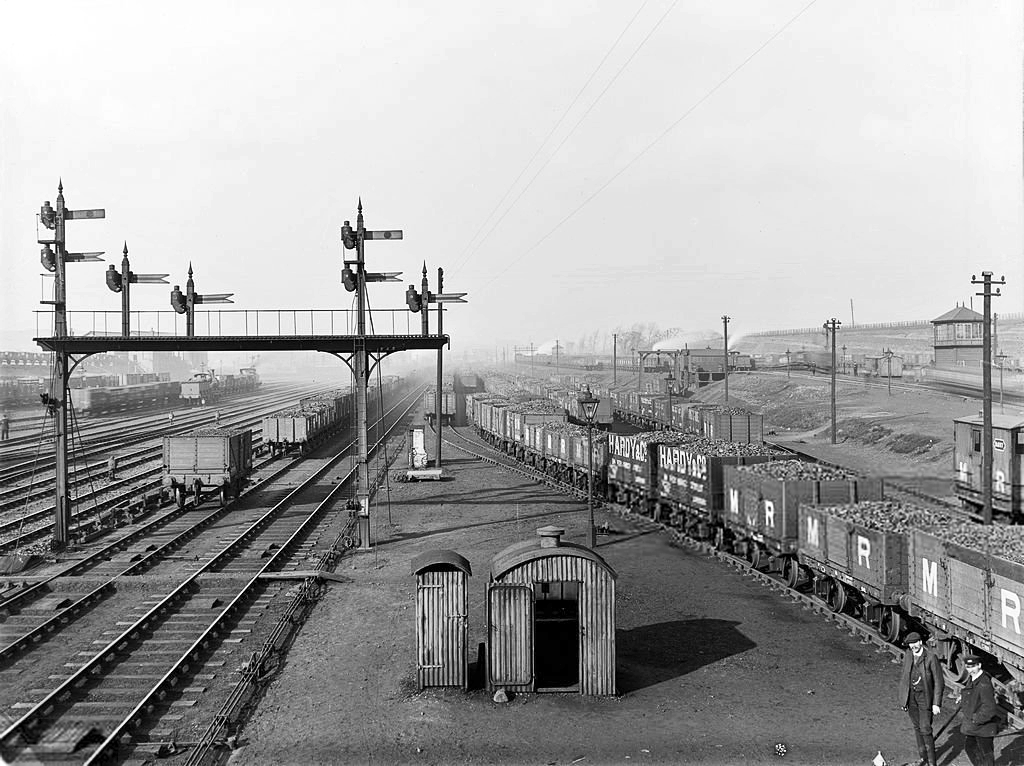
[{"x": 575, "y": 167}]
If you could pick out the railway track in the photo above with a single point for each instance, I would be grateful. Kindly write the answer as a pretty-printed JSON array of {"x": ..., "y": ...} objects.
[
  {"x": 165, "y": 609},
  {"x": 867, "y": 634},
  {"x": 24, "y": 527}
]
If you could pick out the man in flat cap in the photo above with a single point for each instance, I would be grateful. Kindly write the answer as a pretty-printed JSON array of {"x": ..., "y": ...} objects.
[
  {"x": 981, "y": 715},
  {"x": 920, "y": 694}
]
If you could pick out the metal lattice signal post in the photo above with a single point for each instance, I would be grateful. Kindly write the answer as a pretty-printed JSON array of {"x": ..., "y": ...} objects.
[
  {"x": 56, "y": 400},
  {"x": 588, "y": 404},
  {"x": 830, "y": 327},
  {"x": 354, "y": 239},
  {"x": 120, "y": 282},
  {"x": 986, "y": 385}
]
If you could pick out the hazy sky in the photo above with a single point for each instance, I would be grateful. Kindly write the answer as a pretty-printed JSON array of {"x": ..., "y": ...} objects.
[{"x": 574, "y": 166}]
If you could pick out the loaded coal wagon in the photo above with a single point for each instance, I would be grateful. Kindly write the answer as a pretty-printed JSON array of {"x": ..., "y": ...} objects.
[
  {"x": 967, "y": 588},
  {"x": 689, "y": 475},
  {"x": 858, "y": 557},
  {"x": 207, "y": 457},
  {"x": 308, "y": 425},
  {"x": 762, "y": 506}
]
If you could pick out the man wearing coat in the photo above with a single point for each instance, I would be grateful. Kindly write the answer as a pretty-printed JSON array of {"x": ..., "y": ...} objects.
[
  {"x": 920, "y": 694},
  {"x": 981, "y": 715}
]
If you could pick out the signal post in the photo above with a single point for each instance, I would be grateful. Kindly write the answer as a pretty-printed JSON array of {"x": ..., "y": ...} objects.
[{"x": 55, "y": 259}]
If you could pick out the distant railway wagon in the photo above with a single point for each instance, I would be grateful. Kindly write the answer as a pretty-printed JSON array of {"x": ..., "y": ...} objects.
[
  {"x": 21, "y": 390},
  {"x": 1007, "y": 458},
  {"x": 207, "y": 457},
  {"x": 206, "y": 387},
  {"x": 92, "y": 401},
  {"x": 448, "y": 407},
  {"x": 315, "y": 419}
]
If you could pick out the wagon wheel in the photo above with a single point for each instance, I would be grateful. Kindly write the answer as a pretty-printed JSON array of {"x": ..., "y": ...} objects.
[
  {"x": 791, "y": 571},
  {"x": 836, "y": 595},
  {"x": 179, "y": 496},
  {"x": 223, "y": 495},
  {"x": 197, "y": 488},
  {"x": 720, "y": 538},
  {"x": 890, "y": 623}
]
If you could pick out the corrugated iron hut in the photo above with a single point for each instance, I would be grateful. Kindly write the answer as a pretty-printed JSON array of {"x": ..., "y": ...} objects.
[
  {"x": 551, "y": 618},
  {"x": 441, "y": 611}
]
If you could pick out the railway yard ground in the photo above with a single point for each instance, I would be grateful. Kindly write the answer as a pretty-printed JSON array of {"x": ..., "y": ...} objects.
[{"x": 713, "y": 667}]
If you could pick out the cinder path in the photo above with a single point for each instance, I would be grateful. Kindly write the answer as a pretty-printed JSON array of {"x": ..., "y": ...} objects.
[{"x": 712, "y": 667}]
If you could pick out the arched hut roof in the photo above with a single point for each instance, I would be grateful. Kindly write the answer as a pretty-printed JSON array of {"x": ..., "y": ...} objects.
[{"x": 429, "y": 559}]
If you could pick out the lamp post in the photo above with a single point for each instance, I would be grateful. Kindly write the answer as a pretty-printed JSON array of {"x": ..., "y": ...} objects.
[
  {"x": 670, "y": 380},
  {"x": 588, "y": 404},
  {"x": 787, "y": 362}
]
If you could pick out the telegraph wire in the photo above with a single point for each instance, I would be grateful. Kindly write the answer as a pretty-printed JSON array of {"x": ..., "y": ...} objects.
[
  {"x": 467, "y": 251},
  {"x": 578, "y": 123},
  {"x": 647, "y": 148}
]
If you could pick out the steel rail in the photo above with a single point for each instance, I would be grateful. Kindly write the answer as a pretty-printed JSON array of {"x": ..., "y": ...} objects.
[
  {"x": 23, "y": 728},
  {"x": 137, "y": 715}
]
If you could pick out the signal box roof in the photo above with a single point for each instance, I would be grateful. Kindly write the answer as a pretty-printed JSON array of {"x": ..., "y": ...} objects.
[{"x": 960, "y": 314}]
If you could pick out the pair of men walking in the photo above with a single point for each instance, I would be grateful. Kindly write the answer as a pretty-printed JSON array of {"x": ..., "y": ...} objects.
[{"x": 920, "y": 695}]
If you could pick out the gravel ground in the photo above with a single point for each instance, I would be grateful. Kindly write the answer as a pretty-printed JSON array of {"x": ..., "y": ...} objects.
[{"x": 712, "y": 667}]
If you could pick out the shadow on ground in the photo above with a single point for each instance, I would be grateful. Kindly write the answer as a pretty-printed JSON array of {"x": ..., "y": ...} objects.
[{"x": 651, "y": 654}]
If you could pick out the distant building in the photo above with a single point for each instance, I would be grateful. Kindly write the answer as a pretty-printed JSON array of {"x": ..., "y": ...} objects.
[{"x": 958, "y": 337}]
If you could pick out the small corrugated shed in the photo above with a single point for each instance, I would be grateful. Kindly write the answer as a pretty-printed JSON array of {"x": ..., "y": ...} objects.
[
  {"x": 441, "y": 624},
  {"x": 551, "y": 618}
]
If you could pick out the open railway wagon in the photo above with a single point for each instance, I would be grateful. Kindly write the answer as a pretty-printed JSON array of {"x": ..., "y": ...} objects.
[
  {"x": 762, "y": 504},
  {"x": 1007, "y": 460},
  {"x": 901, "y": 567},
  {"x": 677, "y": 477},
  {"x": 306, "y": 426},
  {"x": 447, "y": 404},
  {"x": 207, "y": 457},
  {"x": 93, "y": 401},
  {"x": 561, "y": 451}
]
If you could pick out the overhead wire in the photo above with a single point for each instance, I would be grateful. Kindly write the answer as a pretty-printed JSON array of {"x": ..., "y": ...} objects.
[
  {"x": 468, "y": 250},
  {"x": 579, "y": 122},
  {"x": 647, "y": 148}
]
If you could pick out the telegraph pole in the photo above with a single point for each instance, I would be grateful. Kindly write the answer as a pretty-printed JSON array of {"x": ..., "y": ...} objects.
[
  {"x": 986, "y": 385},
  {"x": 615, "y": 365},
  {"x": 57, "y": 401},
  {"x": 725, "y": 351},
  {"x": 831, "y": 326}
]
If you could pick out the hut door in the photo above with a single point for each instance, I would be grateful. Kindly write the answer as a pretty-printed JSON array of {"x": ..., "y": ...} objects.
[
  {"x": 557, "y": 634},
  {"x": 510, "y": 655},
  {"x": 441, "y": 617}
]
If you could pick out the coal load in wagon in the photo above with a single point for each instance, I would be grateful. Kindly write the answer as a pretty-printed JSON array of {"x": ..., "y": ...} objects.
[{"x": 690, "y": 471}]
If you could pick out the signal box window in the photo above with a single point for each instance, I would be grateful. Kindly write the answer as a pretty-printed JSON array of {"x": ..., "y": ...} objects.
[{"x": 976, "y": 440}]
